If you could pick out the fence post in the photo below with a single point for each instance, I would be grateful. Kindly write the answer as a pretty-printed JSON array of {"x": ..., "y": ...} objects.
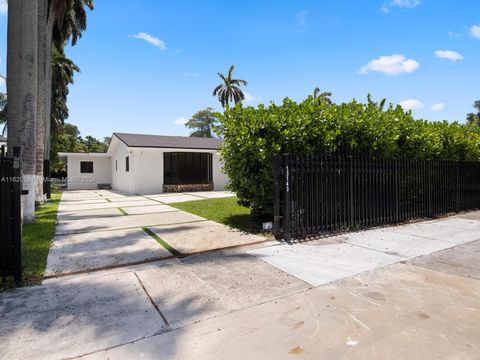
[
  {"x": 286, "y": 194},
  {"x": 457, "y": 201},
  {"x": 16, "y": 222},
  {"x": 397, "y": 197},
  {"x": 352, "y": 200},
  {"x": 277, "y": 216},
  {"x": 429, "y": 170}
]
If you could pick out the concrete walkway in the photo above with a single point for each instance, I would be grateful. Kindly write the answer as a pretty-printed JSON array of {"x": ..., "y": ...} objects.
[
  {"x": 393, "y": 294},
  {"x": 102, "y": 229}
]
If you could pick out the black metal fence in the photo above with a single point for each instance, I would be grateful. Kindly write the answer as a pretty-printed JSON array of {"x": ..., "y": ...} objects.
[
  {"x": 10, "y": 216},
  {"x": 317, "y": 194}
]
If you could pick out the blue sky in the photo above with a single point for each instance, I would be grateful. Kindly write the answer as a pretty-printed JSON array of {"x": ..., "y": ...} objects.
[{"x": 148, "y": 64}]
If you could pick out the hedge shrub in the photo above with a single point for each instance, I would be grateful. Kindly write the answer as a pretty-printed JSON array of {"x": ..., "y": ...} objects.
[{"x": 253, "y": 135}]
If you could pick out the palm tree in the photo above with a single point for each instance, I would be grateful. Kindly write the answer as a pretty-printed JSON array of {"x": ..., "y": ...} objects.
[
  {"x": 66, "y": 20},
  {"x": 229, "y": 90},
  {"x": 63, "y": 70},
  {"x": 323, "y": 96},
  {"x": 41, "y": 111},
  {"x": 22, "y": 91}
]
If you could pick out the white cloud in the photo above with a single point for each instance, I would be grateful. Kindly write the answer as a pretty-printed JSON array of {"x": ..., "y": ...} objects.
[
  {"x": 438, "y": 107},
  {"x": 475, "y": 31},
  {"x": 411, "y": 104},
  {"x": 188, "y": 74},
  {"x": 302, "y": 17},
  {"x": 180, "y": 121},
  {"x": 250, "y": 98},
  {"x": 151, "y": 39},
  {"x": 448, "y": 55},
  {"x": 453, "y": 34},
  {"x": 3, "y": 7},
  {"x": 409, "y": 4},
  {"x": 390, "y": 65}
]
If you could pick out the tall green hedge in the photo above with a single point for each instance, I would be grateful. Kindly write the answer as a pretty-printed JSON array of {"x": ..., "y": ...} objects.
[{"x": 253, "y": 135}]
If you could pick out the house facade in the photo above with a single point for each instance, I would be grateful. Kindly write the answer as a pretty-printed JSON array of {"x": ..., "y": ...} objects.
[{"x": 149, "y": 164}]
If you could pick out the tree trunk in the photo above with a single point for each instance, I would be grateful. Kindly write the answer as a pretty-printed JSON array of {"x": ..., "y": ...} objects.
[
  {"x": 48, "y": 117},
  {"x": 41, "y": 96},
  {"x": 22, "y": 93}
]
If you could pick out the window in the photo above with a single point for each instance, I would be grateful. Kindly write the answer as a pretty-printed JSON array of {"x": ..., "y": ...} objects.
[
  {"x": 187, "y": 168},
  {"x": 127, "y": 164},
  {"x": 86, "y": 167},
  {"x": 116, "y": 165}
]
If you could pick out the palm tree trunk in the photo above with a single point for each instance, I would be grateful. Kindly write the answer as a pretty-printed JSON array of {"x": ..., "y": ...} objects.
[
  {"x": 22, "y": 93},
  {"x": 48, "y": 117},
  {"x": 41, "y": 96}
]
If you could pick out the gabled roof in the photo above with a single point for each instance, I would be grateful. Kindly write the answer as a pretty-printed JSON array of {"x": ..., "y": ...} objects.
[{"x": 160, "y": 141}]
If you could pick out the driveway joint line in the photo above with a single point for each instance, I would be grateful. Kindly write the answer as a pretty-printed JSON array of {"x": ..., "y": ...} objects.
[
  {"x": 106, "y": 208},
  {"x": 151, "y": 300},
  {"x": 128, "y": 228}
]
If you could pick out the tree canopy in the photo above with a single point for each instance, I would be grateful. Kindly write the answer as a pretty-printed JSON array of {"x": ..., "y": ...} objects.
[
  {"x": 203, "y": 123},
  {"x": 229, "y": 90}
]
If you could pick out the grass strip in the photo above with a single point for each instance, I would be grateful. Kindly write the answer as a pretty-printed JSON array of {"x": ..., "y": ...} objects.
[
  {"x": 162, "y": 242},
  {"x": 36, "y": 240},
  {"x": 122, "y": 211},
  {"x": 225, "y": 211}
]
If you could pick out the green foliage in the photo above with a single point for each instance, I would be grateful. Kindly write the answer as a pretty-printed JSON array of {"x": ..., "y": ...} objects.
[
  {"x": 229, "y": 90},
  {"x": 36, "y": 240},
  {"x": 474, "y": 118},
  {"x": 253, "y": 135},
  {"x": 63, "y": 70},
  {"x": 203, "y": 123},
  {"x": 68, "y": 139}
]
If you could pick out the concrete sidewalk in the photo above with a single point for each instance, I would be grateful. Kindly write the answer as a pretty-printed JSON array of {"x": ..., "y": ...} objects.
[{"x": 389, "y": 293}]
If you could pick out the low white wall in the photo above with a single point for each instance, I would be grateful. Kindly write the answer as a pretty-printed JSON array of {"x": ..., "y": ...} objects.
[
  {"x": 78, "y": 181},
  {"x": 220, "y": 179}
]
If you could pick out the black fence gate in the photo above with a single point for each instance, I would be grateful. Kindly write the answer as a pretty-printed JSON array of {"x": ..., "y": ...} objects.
[
  {"x": 318, "y": 194},
  {"x": 10, "y": 216}
]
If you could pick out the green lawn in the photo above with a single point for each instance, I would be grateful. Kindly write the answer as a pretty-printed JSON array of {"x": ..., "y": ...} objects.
[
  {"x": 36, "y": 242},
  {"x": 225, "y": 211}
]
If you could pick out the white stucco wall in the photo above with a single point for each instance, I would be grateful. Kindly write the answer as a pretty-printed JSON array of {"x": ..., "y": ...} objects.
[
  {"x": 220, "y": 179},
  {"x": 79, "y": 181},
  {"x": 146, "y": 169},
  {"x": 121, "y": 179},
  {"x": 149, "y": 169}
]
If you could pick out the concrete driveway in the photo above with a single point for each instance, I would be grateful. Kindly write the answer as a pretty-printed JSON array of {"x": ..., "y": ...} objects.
[
  {"x": 391, "y": 293},
  {"x": 103, "y": 229}
]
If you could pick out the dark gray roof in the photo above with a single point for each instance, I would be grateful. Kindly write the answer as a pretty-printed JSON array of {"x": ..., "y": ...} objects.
[{"x": 160, "y": 141}]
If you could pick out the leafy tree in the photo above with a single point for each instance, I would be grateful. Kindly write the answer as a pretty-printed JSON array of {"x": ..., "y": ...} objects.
[
  {"x": 474, "y": 118},
  {"x": 68, "y": 139},
  {"x": 252, "y": 136},
  {"x": 203, "y": 123},
  {"x": 229, "y": 90},
  {"x": 323, "y": 96}
]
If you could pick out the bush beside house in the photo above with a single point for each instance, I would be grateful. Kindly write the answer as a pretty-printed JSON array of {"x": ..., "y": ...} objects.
[{"x": 253, "y": 135}]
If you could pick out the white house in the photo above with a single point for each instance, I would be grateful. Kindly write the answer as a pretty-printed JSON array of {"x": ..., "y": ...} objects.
[{"x": 148, "y": 164}]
